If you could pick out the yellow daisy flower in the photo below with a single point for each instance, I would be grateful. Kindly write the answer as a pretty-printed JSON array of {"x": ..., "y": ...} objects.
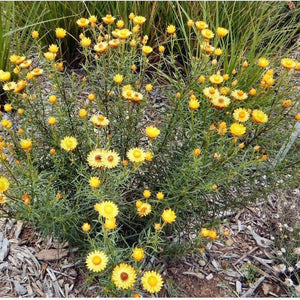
[
  {"x": 108, "y": 19},
  {"x": 96, "y": 158},
  {"x": 152, "y": 281},
  {"x": 147, "y": 49},
  {"x": 86, "y": 227},
  {"x": 259, "y": 116},
  {"x": 263, "y": 62},
  {"x": 239, "y": 95},
  {"x": 94, "y": 182},
  {"x": 139, "y": 20},
  {"x": 26, "y": 144},
  {"x": 108, "y": 209},
  {"x": 152, "y": 132},
  {"x": 220, "y": 102},
  {"x": 4, "y": 184},
  {"x": 123, "y": 276},
  {"x": 96, "y": 261},
  {"x": 241, "y": 115},
  {"x": 237, "y": 129},
  {"x": 60, "y": 33},
  {"x": 101, "y": 47},
  {"x": 160, "y": 195},
  {"x": 83, "y": 22},
  {"x": 110, "y": 223},
  {"x": 136, "y": 155},
  {"x": 99, "y": 121},
  {"x": 221, "y": 32},
  {"x": 207, "y": 34},
  {"x": 138, "y": 254},
  {"x": 171, "y": 29},
  {"x": 210, "y": 92},
  {"x": 216, "y": 79},
  {"x": 111, "y": 159},
  {"x": 144, "y": 209},
  {"x": 168, "y": 216},
  {"x": 69, "y": 143}
]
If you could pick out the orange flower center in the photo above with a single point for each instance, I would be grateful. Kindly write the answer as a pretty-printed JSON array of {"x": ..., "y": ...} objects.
[
  {"x": 100, "y": 118},
  {"x": 137, "y": 153},
  {"x": 242, "y": 114},
  {"x": 96, "y": 260},
  {"x": 152, "y": 280},
  {"x": 110, "y": 158},
  {"x": 124, "y": 276},
  {"x": 211, "y": 91},
  {"x": 221, "y": 100},
  {"x": 240, "y": 93},
  {"x": 98, "y": 158}
]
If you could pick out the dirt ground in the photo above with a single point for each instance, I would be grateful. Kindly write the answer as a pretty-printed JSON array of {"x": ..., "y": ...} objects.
[{"x": 259, "y": 258}]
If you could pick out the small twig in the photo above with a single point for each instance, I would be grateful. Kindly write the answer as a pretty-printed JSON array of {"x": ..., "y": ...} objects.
[{"x": 245, "y": 255}]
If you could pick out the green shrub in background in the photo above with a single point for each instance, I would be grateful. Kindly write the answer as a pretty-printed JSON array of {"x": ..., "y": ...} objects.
[{"x": 91, "y": 158}]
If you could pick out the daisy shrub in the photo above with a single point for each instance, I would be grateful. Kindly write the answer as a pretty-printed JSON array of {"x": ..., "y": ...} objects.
[{"x": 144, "y": 144}]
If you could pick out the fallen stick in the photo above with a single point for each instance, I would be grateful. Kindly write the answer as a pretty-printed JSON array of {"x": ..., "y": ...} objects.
[
  {"x": 251, "y": 290},
  {"x": 245, "y": 255}
]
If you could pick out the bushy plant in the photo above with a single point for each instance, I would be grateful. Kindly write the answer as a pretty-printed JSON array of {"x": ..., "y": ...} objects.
[{"x": 92, "y": 158}]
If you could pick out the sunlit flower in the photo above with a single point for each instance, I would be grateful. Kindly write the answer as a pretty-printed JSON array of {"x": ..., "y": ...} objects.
[
  {"x": 118, "y": 78},
  {"x": 107, "y": 209},
  {"x": 49, "y": 55},
  {"x": 60, "y": 33},
  {"x": 237, "y": 129},
  {"x": 93, "y": 19},
  {"x": 152, "y": 281},
  {"x": 99, "y": 121},
  {"x": 263, "y": 62},
  {"x": 220, "y": 101},
  {"x": 216, "y": 79},
  {"x": 147, "y": 49},
  {"x": 160, "y": 196},
  {"x": 286, "y": 103},
  {"x": 139, "y": 20},
  {"x": 138, "y": 254},
  {"x": 190, "y": 23},
  {"x": 26, "y": 144},
  {"x": 124, "y": 34},
  {"x": 101, "y": 47},
  {"x": 287, "y": 63},
  {"x": 259, "y": 116},
  {"x": 8, "y": 107},
  {"x": 218, "y": 52},
  {"x": 221, "y": 32},
  {"x": 52, "y": 48},
  {"x": 85, "y": 42},
  {"x": 136, "y": 155},
  {"x": 86, "y": 227},
  {"x": 120, "y": 24},
  {"x": 110, "y": 223},
  {"x": 206, "y": 33},
  {"x": 96, "y": 157},
  {"x": 194, "y": 104},
  {"x": 201, "y": 25},
  {"x": 4, "y": 184},
  {"x": 210, "y": 92},
  {"x": 123, "y": 276},
  {"x": 239, "y": 95},
  {"x": 148, "y": 156},
  {"x": 171, "y": 29},
  {"x": 83, "y": 22},
  {"x": 4, "y": 76},
  {"x": 144, "y": 209},
  {"x": 149, "y": 87},
  {"x": 168, "y": 216},
  {"x": 94, "y": 182},
  {"x": 52, "y": 121},
  {"x": 69, "y": 143},
  {"x": 241, "y": 115},
  {"x": 152, "y": 132},
  {"x": 146, "y": 194},
  {"x": 161, "y": 49},
  {"x": 96, "y": 261},
  {"x": 111, "y": 159},
  {"x": 108, "y": 19},
  {"x": 35, "y": 34},
  {"x": 252, "y": 92},
  {"x": 115, "y": 43}
]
